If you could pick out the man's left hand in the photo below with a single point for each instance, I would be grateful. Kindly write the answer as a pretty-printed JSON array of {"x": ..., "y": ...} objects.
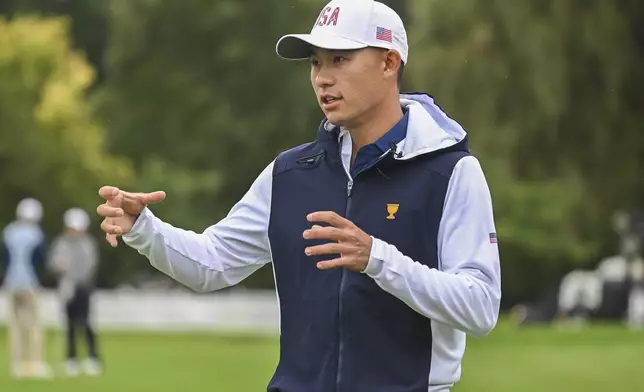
[{"x": 351, "y": 243}]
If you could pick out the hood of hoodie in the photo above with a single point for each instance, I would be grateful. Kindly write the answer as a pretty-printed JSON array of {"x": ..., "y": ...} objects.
[{"x": 429, "y": 128}]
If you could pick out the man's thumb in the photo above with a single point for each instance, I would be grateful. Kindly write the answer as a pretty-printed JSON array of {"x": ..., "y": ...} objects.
[{"x": 154, "y": 197}]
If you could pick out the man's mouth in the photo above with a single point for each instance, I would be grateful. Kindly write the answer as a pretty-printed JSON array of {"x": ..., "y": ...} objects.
[{"x": 329, "y": 100}]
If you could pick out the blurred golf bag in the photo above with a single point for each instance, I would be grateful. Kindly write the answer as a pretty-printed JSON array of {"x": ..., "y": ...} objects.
[{"x": 613, "y": 291}]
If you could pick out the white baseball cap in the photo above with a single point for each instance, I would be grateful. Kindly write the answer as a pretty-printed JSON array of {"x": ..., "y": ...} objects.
[
  {"x": 76, "y": 219},
  {"x": 29, "y": 209},
  {"x": 349, "y": 25}
]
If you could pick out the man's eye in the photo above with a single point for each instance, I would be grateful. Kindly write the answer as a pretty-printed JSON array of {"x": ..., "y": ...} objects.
[
  {"x": 338, "y": 59},
  {"x": 314, "y": 62}
]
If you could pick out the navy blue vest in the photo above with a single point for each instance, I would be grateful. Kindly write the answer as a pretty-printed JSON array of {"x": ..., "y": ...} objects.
[{"x": 340, "y": 332}]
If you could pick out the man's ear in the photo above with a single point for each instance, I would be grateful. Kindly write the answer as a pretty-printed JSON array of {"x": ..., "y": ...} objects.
[{"x": 393, "y": 62}]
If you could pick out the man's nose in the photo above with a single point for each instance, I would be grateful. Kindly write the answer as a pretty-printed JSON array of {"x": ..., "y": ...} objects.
[{"x": 324, "y": 78}]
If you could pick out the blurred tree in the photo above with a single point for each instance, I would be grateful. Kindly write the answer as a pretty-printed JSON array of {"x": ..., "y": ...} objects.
[
  {"x": 51, "y": 147},
  {"x": 88, "y": 23},
  {"x": 196, "y": 95},
  {"x": 547, "y": 91}
]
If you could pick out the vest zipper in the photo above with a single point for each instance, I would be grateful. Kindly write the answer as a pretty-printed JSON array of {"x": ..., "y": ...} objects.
[
  {"x": 341, "y": 345},
  {"x": 346, "y": 214}
]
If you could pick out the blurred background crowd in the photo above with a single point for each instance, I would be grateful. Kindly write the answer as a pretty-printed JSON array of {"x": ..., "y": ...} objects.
[{"x": 189, "y": 97}]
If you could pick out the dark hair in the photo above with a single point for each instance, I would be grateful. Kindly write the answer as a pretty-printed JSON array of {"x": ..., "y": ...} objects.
[{"x": 401, "y": 71}]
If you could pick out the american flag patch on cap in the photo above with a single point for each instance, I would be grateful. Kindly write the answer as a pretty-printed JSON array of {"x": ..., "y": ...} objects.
[
  {"x": 383, "y": 34},
  {"x": 493, "y": 238}
]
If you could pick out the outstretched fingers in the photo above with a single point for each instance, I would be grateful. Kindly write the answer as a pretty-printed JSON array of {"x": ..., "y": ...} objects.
[{"x": 153, "y": 197}]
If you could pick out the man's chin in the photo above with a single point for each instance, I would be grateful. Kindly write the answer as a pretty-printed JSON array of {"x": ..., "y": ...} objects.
[{"x": 335, "y": 118}]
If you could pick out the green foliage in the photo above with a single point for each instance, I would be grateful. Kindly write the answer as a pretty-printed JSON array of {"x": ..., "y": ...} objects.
[
  {"x": 211, "y": 104},
  {"x": 545, "y": 89},
  {"x": 196, "y": 98},
  {"x": 513, "y": 74},
  {"x": 51, "y": 148},
  {"x": 182, "y": 184}
]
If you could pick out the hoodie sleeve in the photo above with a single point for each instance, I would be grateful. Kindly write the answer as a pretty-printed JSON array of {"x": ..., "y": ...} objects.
[
  {"x": 465, "y": 292},
  {"x": 223, "y": 255}
]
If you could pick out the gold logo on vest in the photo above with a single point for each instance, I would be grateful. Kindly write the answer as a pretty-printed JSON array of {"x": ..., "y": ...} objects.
[{"x": 392, "y": 209}]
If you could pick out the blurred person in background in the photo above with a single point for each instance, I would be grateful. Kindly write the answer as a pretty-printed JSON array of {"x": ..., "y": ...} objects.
[
  {"x": 580, "y": 296},
  {"x": 74, "y": 259},
  {"x": 23, "y": 243},
  {"x": 613, "y": 290},
  {"x": 635, "y": 312},
  {"x": 619, "y": 274}
]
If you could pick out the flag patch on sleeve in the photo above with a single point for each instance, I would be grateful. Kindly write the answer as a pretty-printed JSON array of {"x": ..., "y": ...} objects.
[{"x": 493, "y": 239}]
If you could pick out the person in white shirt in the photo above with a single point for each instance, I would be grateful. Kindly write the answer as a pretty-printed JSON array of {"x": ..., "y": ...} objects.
[{"x": 74, "y": 260}]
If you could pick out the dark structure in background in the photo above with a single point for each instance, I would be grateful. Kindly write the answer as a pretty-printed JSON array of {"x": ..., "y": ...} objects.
[{"x": 617, "y": 284}]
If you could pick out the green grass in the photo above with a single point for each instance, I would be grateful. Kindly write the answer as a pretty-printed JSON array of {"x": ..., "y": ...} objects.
[{"x": 603, "y": 358}]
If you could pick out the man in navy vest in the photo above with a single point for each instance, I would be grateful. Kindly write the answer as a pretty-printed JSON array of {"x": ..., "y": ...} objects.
[{"x": 380, "y": 231}]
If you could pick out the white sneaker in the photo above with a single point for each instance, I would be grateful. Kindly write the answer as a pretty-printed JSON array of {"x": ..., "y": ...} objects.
[
  {"x": 18, "y": 370},
  {"x": 92, "y": 367},
  {"x": 40, "y": 370},
  {"x": 72, "y": 368}
]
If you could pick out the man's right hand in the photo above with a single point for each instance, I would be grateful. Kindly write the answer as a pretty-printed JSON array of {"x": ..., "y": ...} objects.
[{"x": 121, "y": 209}]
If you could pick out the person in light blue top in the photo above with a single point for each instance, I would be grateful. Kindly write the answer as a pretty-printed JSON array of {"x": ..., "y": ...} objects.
[
  {"x": 23, "y": 250},
  {"x": 24, "y": 247}
]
